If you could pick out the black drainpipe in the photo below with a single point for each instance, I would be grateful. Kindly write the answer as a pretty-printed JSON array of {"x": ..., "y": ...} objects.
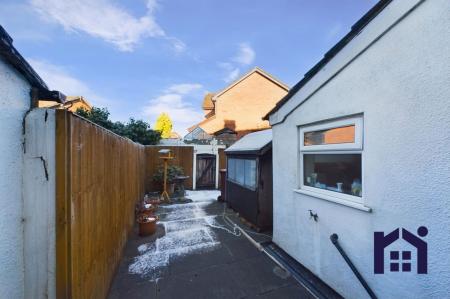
[{"x": 334, "y": 240}]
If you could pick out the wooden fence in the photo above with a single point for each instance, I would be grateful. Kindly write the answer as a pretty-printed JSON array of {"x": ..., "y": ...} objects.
[
  {"x": 183, "y": 157},
  {"x": 99, "y": 176}
]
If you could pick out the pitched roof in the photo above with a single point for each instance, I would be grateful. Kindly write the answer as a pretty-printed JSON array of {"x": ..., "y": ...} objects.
[
  {"x": 70, "y": 100},
  {"x": 12, "y": 56},
  {"x": 210, "y": 97},
  {"x": 210, "y": 118},
  {"x": 355, "y": 30},
  {"x": 252, "y": 142},
  {"x": 254, "y": 70}
]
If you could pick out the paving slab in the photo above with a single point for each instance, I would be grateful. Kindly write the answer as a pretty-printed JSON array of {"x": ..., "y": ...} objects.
[
  {"x": 209, "y": 283},
  {"x": 258, "y": 275},
  {"x": 232, "y": 268},
  {"x": 290, "y": 291}
]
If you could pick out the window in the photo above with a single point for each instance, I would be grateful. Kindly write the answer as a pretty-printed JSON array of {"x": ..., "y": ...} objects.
[
  {"x": 242, "y": 172},
  {"x": 331, "y": 158},
  {"x": 330, "y": 136},
  {"x": 231, "y": 168},
  {"x": 333, "y": 172},
  {"x": 250, "y": 174}
]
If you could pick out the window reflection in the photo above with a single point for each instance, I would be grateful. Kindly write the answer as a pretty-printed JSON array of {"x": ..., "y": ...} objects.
[
  {"x": 242, "y": 172},
  {"x": 334, "y": 172},
  {"x": 330, "y": 136}
]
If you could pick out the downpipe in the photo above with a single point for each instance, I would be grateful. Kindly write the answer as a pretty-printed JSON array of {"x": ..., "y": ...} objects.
[{"x": 334, "y": 239}]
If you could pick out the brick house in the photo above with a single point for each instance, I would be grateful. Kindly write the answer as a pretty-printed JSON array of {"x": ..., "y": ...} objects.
[{"x": 239, "y": 108}]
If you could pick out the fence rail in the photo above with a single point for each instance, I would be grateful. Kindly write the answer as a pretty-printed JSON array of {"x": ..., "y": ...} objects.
[{"x": 99, "y": 178}]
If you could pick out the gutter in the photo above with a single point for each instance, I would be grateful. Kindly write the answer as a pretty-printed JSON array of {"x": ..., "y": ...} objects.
[{"x": 13, "y": 57}]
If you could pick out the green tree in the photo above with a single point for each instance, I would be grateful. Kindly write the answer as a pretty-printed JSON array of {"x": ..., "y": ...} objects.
[
  {"x": 164, "y": 125},
  {"x": 136, "y": 130},
  {"x": 139, "y": 131},
  {"x": 100, "y": 116}
]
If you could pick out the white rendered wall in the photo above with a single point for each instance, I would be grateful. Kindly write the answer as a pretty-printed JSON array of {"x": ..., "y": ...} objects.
[
  {"x": 39, "y": 204},
  {"x": 14, "y": 102},
  {"x": 401, "y": 85},
  {"x": 206, "y": 149}
]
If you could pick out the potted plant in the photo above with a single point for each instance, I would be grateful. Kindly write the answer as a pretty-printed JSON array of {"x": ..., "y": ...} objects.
[
  {"x": 147, "y": 224},
  {"x": 148, "y": 209},
  {"x": 172, "y": 172}
]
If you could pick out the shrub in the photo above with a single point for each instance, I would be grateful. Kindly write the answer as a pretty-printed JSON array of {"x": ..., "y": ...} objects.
[{"x": 172, "y": 172}]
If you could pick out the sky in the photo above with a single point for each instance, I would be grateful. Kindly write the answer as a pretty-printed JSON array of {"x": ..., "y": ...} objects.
[{"x": 139, "y": 58}]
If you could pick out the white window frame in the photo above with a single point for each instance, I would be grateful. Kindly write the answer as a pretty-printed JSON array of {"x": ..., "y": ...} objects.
[
  {"x": 343, "y": 148},
  {"x": 357, "y": 145}
]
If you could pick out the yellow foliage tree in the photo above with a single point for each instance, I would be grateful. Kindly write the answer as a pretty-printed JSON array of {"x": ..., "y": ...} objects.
[{"x": 164, "y": 125}]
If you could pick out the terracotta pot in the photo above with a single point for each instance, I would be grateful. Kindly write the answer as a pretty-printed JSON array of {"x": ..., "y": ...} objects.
[
  {"x": 147, "y": 225},
  {"x": 148, "y": 209},
  {"x": 155, "y": 202}
]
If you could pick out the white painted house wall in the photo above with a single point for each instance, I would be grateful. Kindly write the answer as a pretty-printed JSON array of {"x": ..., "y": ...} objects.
[
  {"x": 401, "y": 85},
  {"x": 14, "y": 103},
  {"x": 39, "y": 193}
]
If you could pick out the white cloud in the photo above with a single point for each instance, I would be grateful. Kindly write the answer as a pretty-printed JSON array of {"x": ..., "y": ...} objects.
[
  {"x": 232, "y": 75},
  {"x": 106, "y": 20},
  {"x": 58, "y": 78},
  {"x": 183, "y": 88},
  {"x": 246, "y": 55},
  {"x": 177, "y": 45},
  {"x": 231, "y": 72},
  {"x": 173, "y": 102}
]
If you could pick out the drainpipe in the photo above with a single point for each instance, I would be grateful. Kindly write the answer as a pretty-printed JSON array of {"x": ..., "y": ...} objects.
[{"x": 334, "y": 239}]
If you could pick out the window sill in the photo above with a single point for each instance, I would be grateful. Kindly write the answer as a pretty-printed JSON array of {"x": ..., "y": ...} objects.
[{"x": 340, "y": 201}]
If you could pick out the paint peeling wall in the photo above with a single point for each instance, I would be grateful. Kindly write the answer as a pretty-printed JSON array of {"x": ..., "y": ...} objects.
[
  {"x": 401, "y": 85},
  {"x": 14, "y": 102}
]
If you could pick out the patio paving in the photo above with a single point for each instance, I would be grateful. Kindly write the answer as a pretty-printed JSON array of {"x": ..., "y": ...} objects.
[{"x": 195, "y": 253}]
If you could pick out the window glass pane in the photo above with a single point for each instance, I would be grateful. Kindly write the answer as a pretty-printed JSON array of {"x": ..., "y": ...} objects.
[
  {"x": 250, "y": 173},
  {"x": 240, "y": 171},
  {"x": 330, "y": 136},
  {"x": 232, "y": 169},
  {"x": 334, "y": 172}
]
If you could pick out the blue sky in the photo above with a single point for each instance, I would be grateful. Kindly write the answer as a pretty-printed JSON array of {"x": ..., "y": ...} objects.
[{"x": 143, "y": 57}]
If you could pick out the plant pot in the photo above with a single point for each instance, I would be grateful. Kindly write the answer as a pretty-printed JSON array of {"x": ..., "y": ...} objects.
[
  {"x": 155, "y": 202},
  {"x": 147, "y": 225},
  {"x": 148, "y": 209}
]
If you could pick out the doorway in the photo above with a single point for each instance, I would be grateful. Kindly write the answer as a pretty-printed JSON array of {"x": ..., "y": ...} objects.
[{"x": 206, "y": 171}]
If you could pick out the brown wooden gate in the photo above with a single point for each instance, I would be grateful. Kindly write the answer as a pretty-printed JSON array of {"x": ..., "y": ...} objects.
[{"x": 206, "y": 171}]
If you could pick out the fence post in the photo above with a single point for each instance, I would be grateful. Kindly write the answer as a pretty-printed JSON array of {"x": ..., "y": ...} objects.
[{"x": 62, "y": 209}]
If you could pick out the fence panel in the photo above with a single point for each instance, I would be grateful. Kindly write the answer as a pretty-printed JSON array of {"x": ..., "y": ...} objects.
[
  {"x": 183, "y": 157},
  {"x": 100, "y": 177}
]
